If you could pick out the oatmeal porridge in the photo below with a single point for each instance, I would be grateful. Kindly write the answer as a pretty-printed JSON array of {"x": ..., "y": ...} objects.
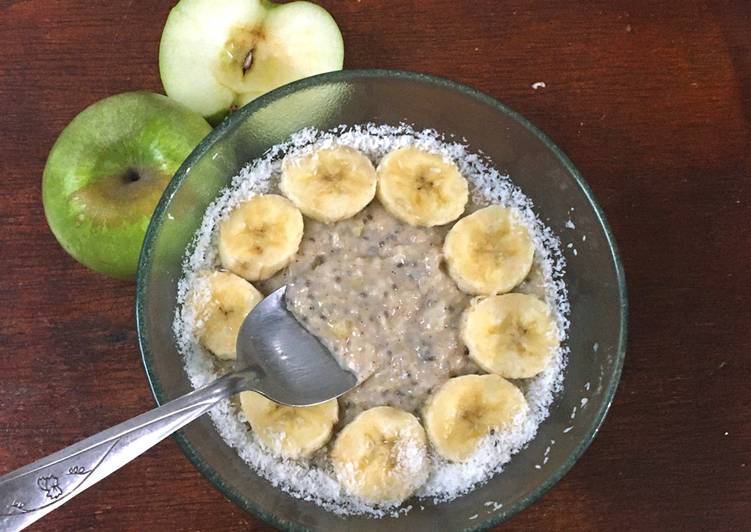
[
  {"x": 374, "y": 290},
  {"x": 424, "y": 271}
]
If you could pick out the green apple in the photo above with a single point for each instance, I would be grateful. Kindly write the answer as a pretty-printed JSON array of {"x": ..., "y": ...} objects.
[
  {"x": 107, "y": 171},
  {"x": 217, "y": 55}
]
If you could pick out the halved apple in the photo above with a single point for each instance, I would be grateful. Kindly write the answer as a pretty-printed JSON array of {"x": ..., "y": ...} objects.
[{"x": 216, "y": 55}]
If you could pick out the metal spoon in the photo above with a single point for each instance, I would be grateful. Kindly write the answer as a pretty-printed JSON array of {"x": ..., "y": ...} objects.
[{"x": 276, "y": 357}]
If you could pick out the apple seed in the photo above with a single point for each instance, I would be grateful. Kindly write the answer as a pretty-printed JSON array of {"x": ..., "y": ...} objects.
[{"x": 248, "y": 62}]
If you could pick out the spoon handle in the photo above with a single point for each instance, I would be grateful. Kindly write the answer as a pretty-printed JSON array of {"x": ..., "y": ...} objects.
[{"x": 32, "y": 491}]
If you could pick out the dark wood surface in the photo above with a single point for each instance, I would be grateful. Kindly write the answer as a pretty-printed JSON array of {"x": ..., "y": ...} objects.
[{"x": 651, "y": 100}]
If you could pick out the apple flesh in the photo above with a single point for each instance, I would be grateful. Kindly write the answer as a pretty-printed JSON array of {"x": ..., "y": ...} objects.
[
  {"x": 107, "y": 171},
  {"x": 217, "y": 55}
]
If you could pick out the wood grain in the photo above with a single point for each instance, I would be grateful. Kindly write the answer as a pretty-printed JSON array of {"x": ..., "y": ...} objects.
[{"x": 651, "y": 100}]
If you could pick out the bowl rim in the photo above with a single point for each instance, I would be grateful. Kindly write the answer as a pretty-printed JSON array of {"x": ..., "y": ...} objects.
[{"x": 145, "y": 261}]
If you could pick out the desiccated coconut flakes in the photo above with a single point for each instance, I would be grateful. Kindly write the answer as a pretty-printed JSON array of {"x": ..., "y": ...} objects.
[{"x": 314, "y": 479}]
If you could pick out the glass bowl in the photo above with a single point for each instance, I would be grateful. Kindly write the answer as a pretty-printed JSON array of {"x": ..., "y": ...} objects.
[{"x": 597, "y": 291}]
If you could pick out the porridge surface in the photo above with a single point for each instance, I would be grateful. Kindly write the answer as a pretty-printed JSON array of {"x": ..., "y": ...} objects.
[
  {"x": 389, "y": 312},
  {"x": 375, "y": 292}
]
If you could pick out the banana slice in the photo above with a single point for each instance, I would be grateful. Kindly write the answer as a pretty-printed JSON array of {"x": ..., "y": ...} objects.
[
  {"x": 288, "y": 431},
  {"x": 421, "y": 188},
  {"x": 465, "y": 409},
  {"x": 329, "y": 184},
  {"x": 221, "y": 301},
  {"x": 513, "y": 335},
  {"x": 489, "y": 252},
  {"x": 381, "y": 456},
  {"x": 260, "y": 237}
]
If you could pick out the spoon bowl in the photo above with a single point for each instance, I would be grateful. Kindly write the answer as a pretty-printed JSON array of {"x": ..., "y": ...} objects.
[{"x": 287, "y": 363}]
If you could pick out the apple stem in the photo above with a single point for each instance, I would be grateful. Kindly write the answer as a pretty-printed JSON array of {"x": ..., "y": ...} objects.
[
  {"x": 132, "y": 175},
  {"x": 248, "y": 62}
]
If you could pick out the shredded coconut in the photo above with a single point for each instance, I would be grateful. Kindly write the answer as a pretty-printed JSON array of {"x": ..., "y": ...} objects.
[
  {"x": 494, "y": 506},
  {"x": 314, "y": 479}
]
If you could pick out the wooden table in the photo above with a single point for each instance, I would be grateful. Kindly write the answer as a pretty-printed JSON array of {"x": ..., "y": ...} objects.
[{"x": 652, "y": 102}]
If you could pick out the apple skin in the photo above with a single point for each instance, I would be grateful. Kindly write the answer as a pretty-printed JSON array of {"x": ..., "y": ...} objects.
[{"x": 107, "y": 171}]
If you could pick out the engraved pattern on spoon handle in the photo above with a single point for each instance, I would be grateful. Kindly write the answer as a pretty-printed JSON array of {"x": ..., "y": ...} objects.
[{"x": 29, "y": 493}]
